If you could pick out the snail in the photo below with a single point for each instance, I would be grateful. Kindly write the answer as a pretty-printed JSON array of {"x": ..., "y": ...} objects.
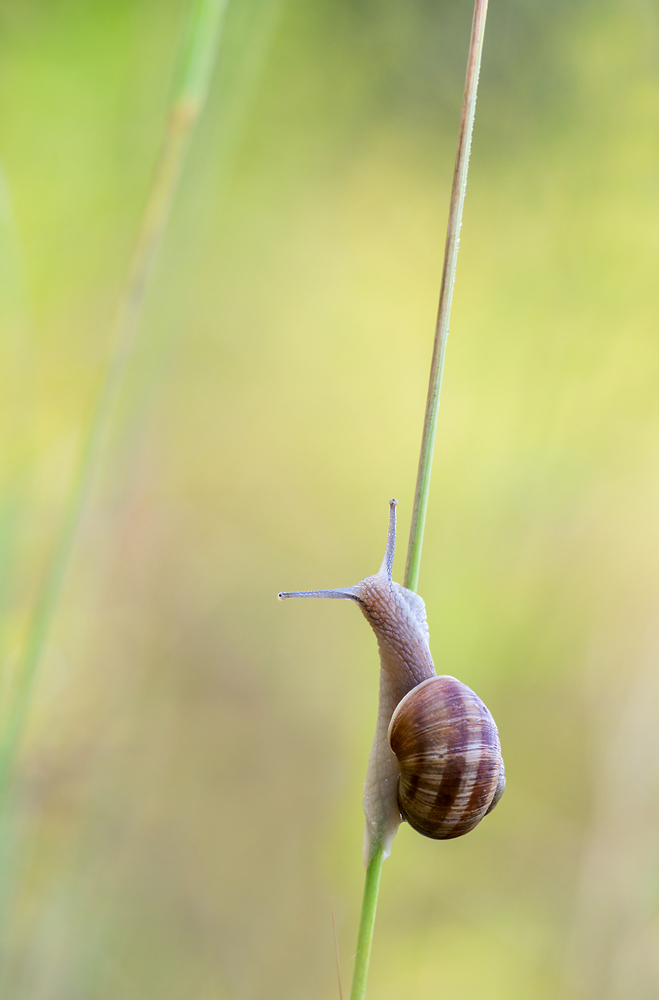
[{"x": 436, "y": 758}]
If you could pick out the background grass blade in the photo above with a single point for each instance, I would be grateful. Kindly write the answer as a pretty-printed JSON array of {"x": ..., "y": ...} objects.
[
  {"x": 18, "y": 397},
  {"x": 189, "y": 96}
]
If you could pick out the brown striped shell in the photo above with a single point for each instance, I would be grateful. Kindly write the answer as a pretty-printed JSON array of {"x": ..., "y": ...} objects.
[{"x": 448, "y": 751}]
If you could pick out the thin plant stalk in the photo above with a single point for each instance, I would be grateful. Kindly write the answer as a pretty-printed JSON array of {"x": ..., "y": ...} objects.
[
  {"x": 336, "y": 952},
  {"x": 445, "y": 295},
  {"x": 18, "y": 401},
  {"x": 366, "y": 924},
  {"x": 188, "y": 100},
  {"x": 374, "y": 868}
]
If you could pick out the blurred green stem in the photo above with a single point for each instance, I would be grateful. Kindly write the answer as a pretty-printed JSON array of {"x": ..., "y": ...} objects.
[
  {"x": 445, "y": 295},
  {"x": 374, "y": 869},
  {"x": 187, "y": 103},
  {"x": 17, "y": 361}
]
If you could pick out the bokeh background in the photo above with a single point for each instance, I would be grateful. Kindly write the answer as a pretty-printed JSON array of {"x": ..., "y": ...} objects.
[{"x": 187, "y": 798}]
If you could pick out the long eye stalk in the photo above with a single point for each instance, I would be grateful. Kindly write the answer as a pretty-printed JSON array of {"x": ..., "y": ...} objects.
[
  {"x": 346, "y": 592},
  {"x": 351, "y": 593}
]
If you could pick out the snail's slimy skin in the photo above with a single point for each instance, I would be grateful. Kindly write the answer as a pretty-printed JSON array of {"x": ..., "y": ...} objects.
[{"x": 398, "y": 618}]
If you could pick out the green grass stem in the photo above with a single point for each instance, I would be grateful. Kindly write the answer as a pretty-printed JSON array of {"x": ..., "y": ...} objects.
[
  {"x": 17, "y": 362},
  {"x": 366, "y": 924},
  {"x": 445, "y": 295},
  {"x": 374, "y": 868},
  {"x": 187, "y": 104}
]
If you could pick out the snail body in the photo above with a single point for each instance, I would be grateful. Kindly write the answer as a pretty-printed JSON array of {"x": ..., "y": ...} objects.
[{"x": 436, "y": 758}]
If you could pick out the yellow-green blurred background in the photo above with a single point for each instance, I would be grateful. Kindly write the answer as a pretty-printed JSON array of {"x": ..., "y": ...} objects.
[{"x": 188, "y": 792}]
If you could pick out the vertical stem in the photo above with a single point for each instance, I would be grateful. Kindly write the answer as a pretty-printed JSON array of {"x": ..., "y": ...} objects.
[
  {"x": 18, "y": 366},
  {"x": 336, "y": 952},
  {"x": 446, "y": 295},
  {"x": 187, "y": 103},
  {"x": 374, "y": 869},
  {"x": 366, "y": 924}
]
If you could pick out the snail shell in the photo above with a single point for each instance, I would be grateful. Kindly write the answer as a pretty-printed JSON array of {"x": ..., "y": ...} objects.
[{"x": 449, "y": 755}]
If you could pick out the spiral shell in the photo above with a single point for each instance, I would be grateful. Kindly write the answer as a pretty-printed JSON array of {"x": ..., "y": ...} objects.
[{"x": 448, "y": 750}]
